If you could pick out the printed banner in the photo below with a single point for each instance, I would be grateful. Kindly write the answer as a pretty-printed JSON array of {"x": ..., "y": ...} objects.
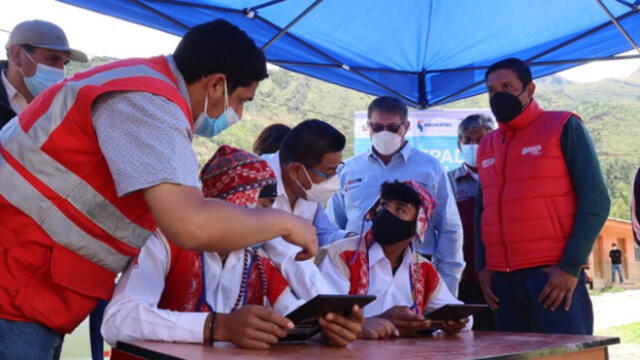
[{"x": 432, "y": 131}]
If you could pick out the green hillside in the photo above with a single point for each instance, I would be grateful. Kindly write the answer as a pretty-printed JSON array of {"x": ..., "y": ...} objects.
[{"x": 609, "y": 108}]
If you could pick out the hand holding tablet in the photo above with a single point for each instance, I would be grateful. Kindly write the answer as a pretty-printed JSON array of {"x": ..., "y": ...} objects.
[{"x": 305, "y": 318}]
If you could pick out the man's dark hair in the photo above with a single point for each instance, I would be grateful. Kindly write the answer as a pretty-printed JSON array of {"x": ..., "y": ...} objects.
[
  {"x": 220, "y": 47},
  {"x": 475, "y": 120},
  {"x": 400, "y": 191},
  {"x": 516, "y": 65},
  {"x": 270, "y": 139},
  {"x": 389, "y": 105},
  {"x": 309, "y": 141}
]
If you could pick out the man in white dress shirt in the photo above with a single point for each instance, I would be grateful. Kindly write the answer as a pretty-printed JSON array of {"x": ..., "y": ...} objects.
[
  {"x": 37, "y": 52},
  {"x": 384, "y": 263},
  {"x": 172, "y": 294},
  {"x": 306, "y": 168}
]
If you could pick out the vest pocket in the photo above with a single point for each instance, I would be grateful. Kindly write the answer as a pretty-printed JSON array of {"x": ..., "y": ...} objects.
[
  {"x": 80, "y": 275},
  {"x": 552, "y": 214},
  {"x": 64, "y": 291}
]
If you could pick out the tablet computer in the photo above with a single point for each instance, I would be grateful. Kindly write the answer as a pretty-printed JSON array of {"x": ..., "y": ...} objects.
[
  {"x": 305, "y": 318},
  {"x": 455, "y": 311}
]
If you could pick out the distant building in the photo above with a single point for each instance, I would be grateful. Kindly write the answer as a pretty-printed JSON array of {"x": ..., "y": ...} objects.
[{"x": 618, "y": 231}]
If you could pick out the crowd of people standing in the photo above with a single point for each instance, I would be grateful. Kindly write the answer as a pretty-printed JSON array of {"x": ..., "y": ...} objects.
[{"x": 98, "y": 178}]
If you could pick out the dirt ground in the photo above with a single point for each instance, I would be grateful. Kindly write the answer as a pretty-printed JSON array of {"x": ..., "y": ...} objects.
[{"x": 615, "y": 309}]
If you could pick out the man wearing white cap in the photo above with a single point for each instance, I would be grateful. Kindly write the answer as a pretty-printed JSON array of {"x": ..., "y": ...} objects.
[{"x": 37, "y": 52}]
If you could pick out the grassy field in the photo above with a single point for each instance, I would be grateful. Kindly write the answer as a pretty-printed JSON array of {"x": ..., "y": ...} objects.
[
  {"x": 76, "y": 345},
  {"x": 629, "y": 348},
  {"x": 608, "y": 289}
]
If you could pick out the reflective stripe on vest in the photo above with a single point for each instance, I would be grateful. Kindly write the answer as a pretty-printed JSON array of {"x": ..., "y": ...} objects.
[
  {"x": 25, "y": 149},
  {"x": 60, "y": 228}
]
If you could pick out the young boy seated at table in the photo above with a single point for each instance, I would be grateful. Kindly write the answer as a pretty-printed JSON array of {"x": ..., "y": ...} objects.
[
  {"x": 175, "y": 295},
  {"x": 383, "y": 263}
]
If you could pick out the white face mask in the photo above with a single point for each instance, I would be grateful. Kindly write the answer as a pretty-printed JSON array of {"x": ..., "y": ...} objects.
[
  {"x": 321, "y": 192},
  {"x": 469, "y": 154},
  {"x": 386, "y": 142}
]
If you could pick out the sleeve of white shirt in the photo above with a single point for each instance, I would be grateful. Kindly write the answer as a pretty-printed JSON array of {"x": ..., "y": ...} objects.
[
  {"x": 133, "y": 312},
  {"x": 333, "y": 276},
  {"x": 304, "y": 277},
  {"x": 446, "y": 234},
  {"x": 442, "y": 297},
  {"x": 287, "y": 302},
  {"x": 146, "y": 141}
]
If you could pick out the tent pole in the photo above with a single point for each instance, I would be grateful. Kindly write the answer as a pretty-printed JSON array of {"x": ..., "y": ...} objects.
[
  {"x": 617, "y": 24},
  {"x": 540, "y": 63},
  {"x": 160, "y": 14},
  {"x": 546, "y": 52},
  {"x": 422, "y": 90},
  {"x": 336, "y": 65},
  {"x": 345, "y": 67},
  {"x": 267, "y": 4},
  {"x": 196, "y": 5},
  {"x": 293, "y": 22},
  {"x": 579, "y": 37}
]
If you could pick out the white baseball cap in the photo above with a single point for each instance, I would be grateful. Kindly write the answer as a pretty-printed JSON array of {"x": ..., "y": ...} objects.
[{"x": 43, "y": 34}]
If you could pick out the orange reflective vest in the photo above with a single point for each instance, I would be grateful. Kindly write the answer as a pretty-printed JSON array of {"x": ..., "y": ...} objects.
[
  {"x": 528, "y": 197},
  {"x": 64, "y": 232}
]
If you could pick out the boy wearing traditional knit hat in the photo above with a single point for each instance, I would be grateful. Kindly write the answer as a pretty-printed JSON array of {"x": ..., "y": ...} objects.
[
  {"x": 172, "y": 294},
  {"x": 384, "y": 263}
]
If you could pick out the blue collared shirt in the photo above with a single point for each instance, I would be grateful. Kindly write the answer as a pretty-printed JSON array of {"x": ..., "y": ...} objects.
[{"x": 360, "y": 182}]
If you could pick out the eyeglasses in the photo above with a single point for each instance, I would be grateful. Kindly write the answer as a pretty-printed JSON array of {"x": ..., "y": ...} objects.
[
  {"x": 325, "y": 175},
  {"x": 376, "y": 128}
]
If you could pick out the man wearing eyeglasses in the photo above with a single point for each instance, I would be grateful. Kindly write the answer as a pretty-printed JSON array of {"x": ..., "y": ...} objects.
[
  {"x": 306, "y": 167},
  {"x": 392, "y": 158}
]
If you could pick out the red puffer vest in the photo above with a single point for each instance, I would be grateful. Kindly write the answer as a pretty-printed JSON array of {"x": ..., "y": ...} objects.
[
  {"x": 529, "y": 200},
  {"x": 64, "y": 231}
]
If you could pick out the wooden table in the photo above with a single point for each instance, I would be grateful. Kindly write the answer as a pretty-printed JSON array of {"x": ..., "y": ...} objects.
[{"x": 465, "y": 346}]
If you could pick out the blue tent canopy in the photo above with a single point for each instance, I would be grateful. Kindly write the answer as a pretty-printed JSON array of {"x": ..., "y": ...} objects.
[{"x": 428, "y": 52}]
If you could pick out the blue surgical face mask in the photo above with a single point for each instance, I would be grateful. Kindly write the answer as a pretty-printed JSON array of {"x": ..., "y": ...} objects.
[
  {"x": 207, "y": 126},
  {"x": 44, "y": 77},
  {"x": 469, "y": 153}
]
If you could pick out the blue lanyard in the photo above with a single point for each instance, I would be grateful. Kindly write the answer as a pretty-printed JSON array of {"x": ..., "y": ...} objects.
[
  {"x": 203, "y": 295},
  {"x": 247, "y": 275},
  {"x": 414, "y": 306}
]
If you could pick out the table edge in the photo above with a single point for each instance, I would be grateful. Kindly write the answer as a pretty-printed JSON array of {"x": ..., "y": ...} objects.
[
  {"x": 557, "y": 350},
  {"x": 143, "y": 352},
  {"x": 530, "y": 354}
]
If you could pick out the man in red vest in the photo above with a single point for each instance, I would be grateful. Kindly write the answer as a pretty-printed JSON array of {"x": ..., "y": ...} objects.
[
  {"x": 541, "y": 205},
  {"x": 96, "y": 163}
]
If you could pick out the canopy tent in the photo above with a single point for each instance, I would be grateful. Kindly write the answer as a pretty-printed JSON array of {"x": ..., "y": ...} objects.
[{"x": 427, "y": 52}]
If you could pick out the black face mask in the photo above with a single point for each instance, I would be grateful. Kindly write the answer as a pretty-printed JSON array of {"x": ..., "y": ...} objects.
[
  {"x": 505, "y": 106},
  {"x": 389, "y": 229}
]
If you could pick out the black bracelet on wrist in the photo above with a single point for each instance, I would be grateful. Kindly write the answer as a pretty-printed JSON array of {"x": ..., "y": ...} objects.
[{"x": 211, "y": 327}]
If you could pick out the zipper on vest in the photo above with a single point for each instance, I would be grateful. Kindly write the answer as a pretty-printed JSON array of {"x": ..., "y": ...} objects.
[{"x": 504, "y": 181}]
